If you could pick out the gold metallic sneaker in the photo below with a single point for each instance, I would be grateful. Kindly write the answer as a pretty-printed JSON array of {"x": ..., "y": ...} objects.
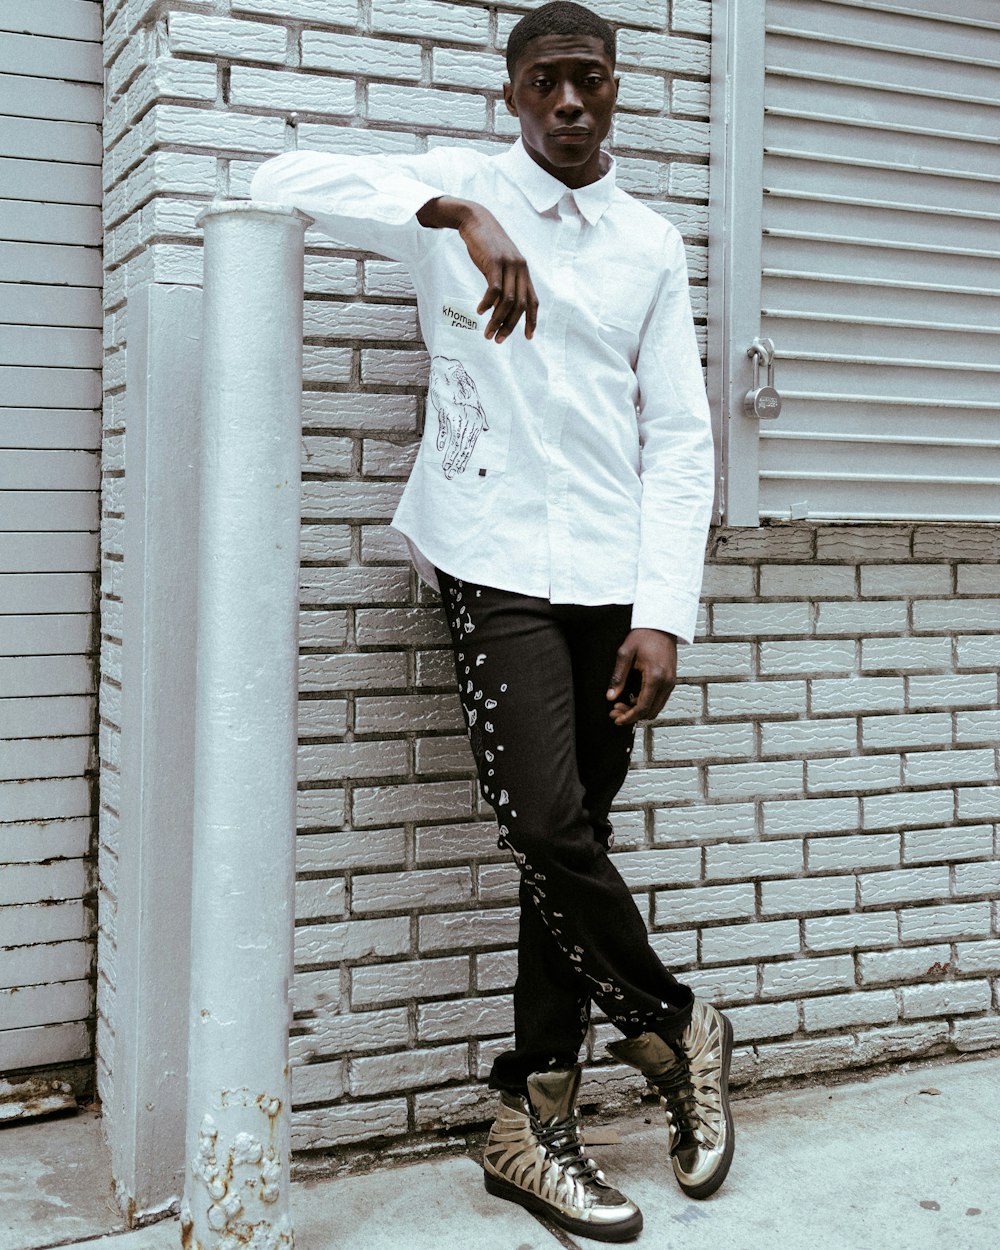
[
  {"x": 692, "y": 1078},
  {"x": 534, "y": 1156}
]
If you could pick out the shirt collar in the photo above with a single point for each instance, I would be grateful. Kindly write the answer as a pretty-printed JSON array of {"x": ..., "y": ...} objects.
[{"x": 543, "y": 191}]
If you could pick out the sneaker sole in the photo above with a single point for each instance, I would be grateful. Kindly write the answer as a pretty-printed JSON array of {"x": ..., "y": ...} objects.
[
  {"x": 719, "y": 1175},
  {"x": 627, "y": 1230}
]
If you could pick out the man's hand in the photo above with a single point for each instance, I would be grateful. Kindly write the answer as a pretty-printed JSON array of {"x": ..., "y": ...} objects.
[
  {"x": 510, "y": 292},
  {"x": 652, "y": 654}
]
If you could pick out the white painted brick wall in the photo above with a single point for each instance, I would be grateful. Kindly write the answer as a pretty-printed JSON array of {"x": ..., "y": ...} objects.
[{"x": 811, "y": 824}]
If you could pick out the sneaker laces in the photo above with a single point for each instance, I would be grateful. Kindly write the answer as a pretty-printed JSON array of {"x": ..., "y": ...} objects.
[
  {"x": 561, "y": 1140},
  {"x": 677, "y": 1090}
]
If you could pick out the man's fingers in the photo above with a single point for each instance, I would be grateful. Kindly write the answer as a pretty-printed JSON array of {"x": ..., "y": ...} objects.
[
  {"x": 531, "y": 312},
  {"x": 511, "y": 296},
  {"x": 620, "y": 672}
]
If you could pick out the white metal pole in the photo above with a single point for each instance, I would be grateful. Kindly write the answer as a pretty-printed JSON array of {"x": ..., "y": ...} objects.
[{"x": 238, "y": 1115}]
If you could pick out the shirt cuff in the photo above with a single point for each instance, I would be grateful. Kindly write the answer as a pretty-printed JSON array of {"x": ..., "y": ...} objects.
[{"x": 670, "y": 612}]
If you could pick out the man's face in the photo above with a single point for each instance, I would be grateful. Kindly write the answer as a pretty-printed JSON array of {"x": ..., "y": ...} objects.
[{"x": 563, "y": 93}]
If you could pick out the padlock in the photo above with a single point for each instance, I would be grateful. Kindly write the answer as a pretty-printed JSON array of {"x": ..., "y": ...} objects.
[{"x": 762, "y": 401}]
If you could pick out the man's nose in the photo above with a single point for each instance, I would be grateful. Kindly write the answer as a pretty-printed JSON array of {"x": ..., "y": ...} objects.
[{"x": 569, "y": 101}]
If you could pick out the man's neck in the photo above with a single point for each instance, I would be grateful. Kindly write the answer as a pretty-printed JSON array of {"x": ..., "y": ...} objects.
[{"x": 574, "y": 176}]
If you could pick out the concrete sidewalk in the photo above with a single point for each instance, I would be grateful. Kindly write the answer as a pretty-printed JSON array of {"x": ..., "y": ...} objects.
[{"x": 905, "y": 1161}]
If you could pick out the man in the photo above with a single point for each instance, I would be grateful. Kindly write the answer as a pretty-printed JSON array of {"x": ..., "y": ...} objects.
[{"x": 560, "y": 502}]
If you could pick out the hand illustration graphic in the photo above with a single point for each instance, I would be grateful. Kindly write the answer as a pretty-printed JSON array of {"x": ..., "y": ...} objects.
[{"x": 453, "y": 395}]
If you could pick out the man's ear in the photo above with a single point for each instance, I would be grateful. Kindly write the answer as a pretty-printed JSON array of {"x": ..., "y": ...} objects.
[{"x": 508, "y": 98}]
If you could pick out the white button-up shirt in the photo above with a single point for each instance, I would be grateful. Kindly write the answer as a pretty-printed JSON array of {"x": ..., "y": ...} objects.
[{"x": 578, "y": 465}]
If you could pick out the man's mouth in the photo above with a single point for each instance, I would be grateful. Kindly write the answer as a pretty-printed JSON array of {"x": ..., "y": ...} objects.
[{"x": 570, "y": 134}]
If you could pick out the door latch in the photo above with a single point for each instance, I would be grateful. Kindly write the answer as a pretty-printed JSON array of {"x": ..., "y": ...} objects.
[{"x": 762, "y": 401}]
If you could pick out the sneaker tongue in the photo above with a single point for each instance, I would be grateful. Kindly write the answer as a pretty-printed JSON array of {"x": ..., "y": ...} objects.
[{"x": 553, "y": 1093}]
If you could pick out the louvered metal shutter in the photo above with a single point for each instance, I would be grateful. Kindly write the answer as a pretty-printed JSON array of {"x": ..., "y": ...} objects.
[
  {"x": 50, "y": 395},
  {"x": 881, "y": 258}
]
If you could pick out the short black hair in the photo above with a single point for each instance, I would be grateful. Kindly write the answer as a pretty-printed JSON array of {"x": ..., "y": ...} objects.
[{"x": 561, "y": 17}]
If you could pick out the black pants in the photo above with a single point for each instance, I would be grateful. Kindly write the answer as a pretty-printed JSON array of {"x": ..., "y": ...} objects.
[{"x": 533, "y": 679}]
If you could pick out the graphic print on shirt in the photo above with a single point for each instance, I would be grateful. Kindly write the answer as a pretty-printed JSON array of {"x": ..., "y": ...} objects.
[{"x": 453, "y": 395}]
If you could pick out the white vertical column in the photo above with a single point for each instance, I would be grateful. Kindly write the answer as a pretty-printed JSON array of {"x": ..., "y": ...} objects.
[{"x": 238, "y": 1116}]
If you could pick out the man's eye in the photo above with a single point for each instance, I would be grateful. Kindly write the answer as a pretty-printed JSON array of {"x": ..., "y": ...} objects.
[
  {"x": 593, "y": 80},
  {"x": 542, "y": 84}
]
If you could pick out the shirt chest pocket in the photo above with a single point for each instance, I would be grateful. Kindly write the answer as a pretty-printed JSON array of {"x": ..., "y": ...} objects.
[{"x": 622, "y": 308}]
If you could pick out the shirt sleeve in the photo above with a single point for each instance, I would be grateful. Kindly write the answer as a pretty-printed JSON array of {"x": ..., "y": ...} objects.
[
  {"x": 367, "y": 202},
  {"x": 678, "y": 460}
]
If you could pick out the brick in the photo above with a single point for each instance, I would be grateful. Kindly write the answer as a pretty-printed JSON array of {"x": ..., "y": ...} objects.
[
  {"x": 725, "y": 581},
  {"x": 304, "y": 93},
  {"x": 763, "y": 1020},
  {"x": 955, "y": 614},
  {"x": 853, "y": 773},
  {"x": 381, "y": 544},
  {"x": 457, "y": 24},
  {"x": 850, "y": 931},
  {"x": 923, "y": 807},
  {"x": 882, "y": 580},
  {"x": 864, "y": 619},
  {"x": 704, "y": 903},
  {"x": 979, "y": 651},
  {"x": 348, "y": 54},
  {"x": 364, "y": 670},
  {"x": 322, "y": 1128},
  {"x": 325, "y": 544},
  {"x": 979, "y": 579},
  {"x": 643, "y": 869},
  {"x": 952, "y": 690},
  {"x": 981, "y": 803},
  {"x": 751, "y": 860},
  {"x": 466, "y": 1017},
  {"x": 456, "y": 841},
  {"x": 714, "y": 659},
  {"x": 426, "y": 801},
  {"x": 349, "y": 848},
  {"x": 906, "y": 964},
  {"x": 693, "y": 16},
  {"x": 807, "y": 894},
  {"x": 458, "y": 68},
  {"x": 808, "y": 738},
  {"x": 977, "y": 1034},
  {"x": 825, "y": 655},
  {"x": 667, "y": 52},
  {"x": 685, "y": 705},
  {"x": 338, "y": 12},
  {"x": 905, "y": 655},
  {"x": 383, "y": 459},
  {"x": 351, "y": 141},
  {"x": 675, "y": 950},
  {"x": 386, "y": 413},
  {"x": 418, "y": 978},
  {"x": 795, "y": 816},
  {"x": 794, "y": 977},
  {"x": 956, "y": 542},
  {"x": 320, "y": 899},
  {"x": 494, "y": 926},
  {"x": 867, "y": 850},
  {"x": 721, "y": 985},
  {"x": 700, "y": 742},
  {"x": 753, "y": 699},
  {"x": 339, "y": 500},
  {"x": 659, "y": 785},
  {"x": 962, "y": 842},
  {"x": 392, "y": 891},
  {"x": 496, "y": 970},
  {"x": 322, "y": 717},
  {"x": 946, "y": 767},
  {"x": 837, "y": 1011},
  {"x": 912, "y": 729},
  {"x": 977, "y": 878},
  {"x": 354, "y": 585},
  {"x": 352, "y": 939},
  {"x": 949, "y": 920},
  {"x": 498, "y": 882},
  {"x": 782, "y": 1059},
  {"x": 862, "y": 543},
  {"x": 978, "y": 956},
  {"x": 454, "y": 1107},
  {"x": 401, "y": 627},
  {"x": 685, "y": 137},
  {"x": 902, "y": 1041},
  {"x": 394, "y": 367},
  {"x": 317, "y": 1082},
  {"x": 690, "y": 98},
  {"x": 812, "y": 582},
  {"x": 945, "y": 999},
  {"x": 408, "y": 713},
  {"x": 444, "y": 755},
  {"x": 323, "y": 628},
  {"x": 758, "y": 619},
  {"x": 720, "y": 820},
  {"x": 388, "y": 278},
  {"x": 409, "y": 1069},
  {"x": 902, "y": 886},
  {"x": 427, "y": 106},
  {"x": 208, "y": 35},
  {"x": 857, "y": 694},
  {"x": 755, "y": 779},
  {"x": 736, "y": 943},
  {"x": 329, "y": 1034},
  {"x": 354, "y": 319}
]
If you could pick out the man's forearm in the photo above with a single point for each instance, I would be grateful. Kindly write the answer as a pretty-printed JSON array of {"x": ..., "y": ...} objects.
[{"x": 446, "y": 213}]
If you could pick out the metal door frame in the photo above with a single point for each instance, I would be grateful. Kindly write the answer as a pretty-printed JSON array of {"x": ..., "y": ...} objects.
[{"x": 736, "y": 165}]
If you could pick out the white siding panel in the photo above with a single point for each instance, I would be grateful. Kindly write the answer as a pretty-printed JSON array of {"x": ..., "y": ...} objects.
[
  {"x": 37, "y": 965},
  {"x": 54, "y": 634},
  {"x": 57, "y": 1043},
  {"x": 881, "y": 259},
  {"x": 44, "y": 718},
  {"x": 51, "y": 332},
  {"x": 64, "y": 19},
  {"x": 50, "y": 182}
]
